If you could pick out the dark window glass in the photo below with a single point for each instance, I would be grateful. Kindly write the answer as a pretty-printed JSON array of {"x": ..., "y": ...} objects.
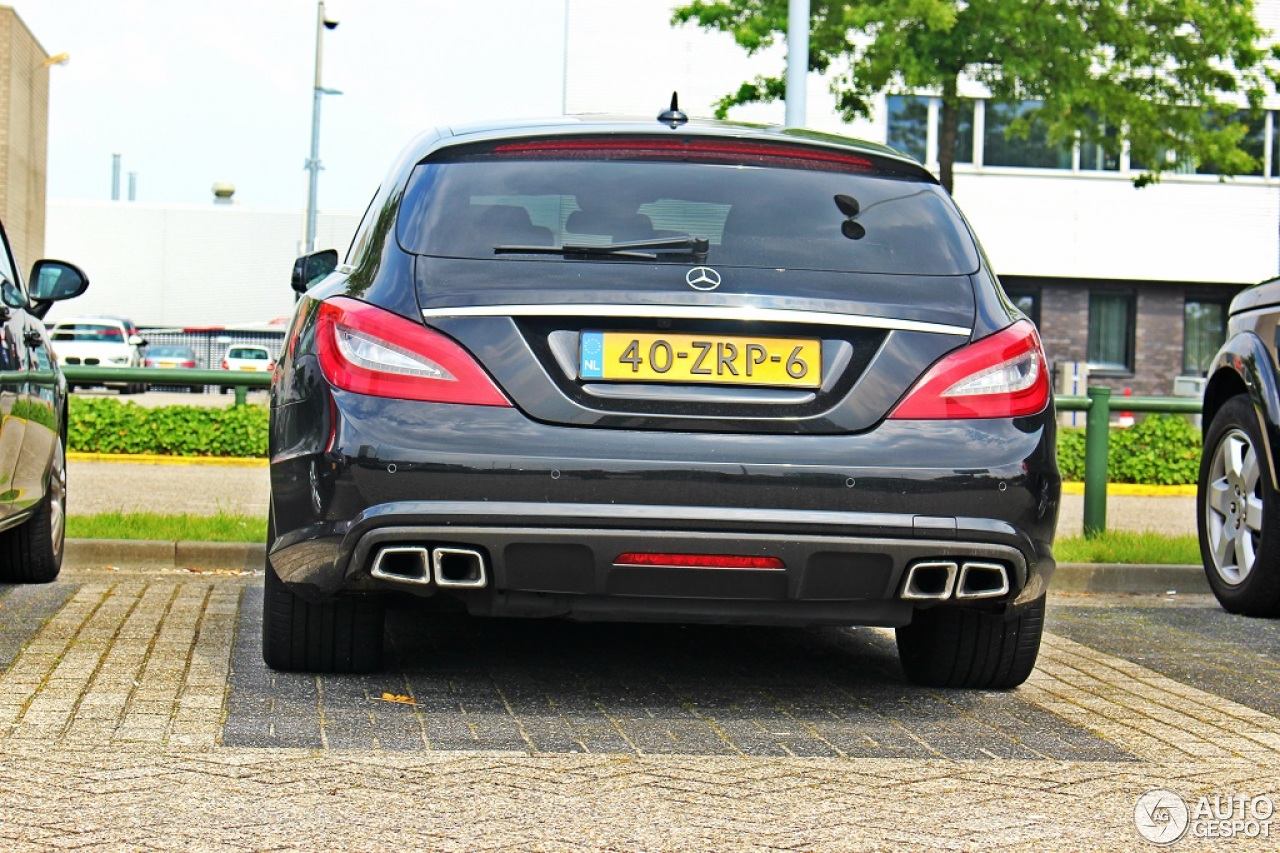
[
  {"x": 1033, "y": 151},
  {"x": 1111, "y": 326},
  {"x": 1275, "y": 145},
  {"x": 1094, "y": 157},
  {"x": 909, "y": 125},
  {"x": 751, "y": 215},
  {"x": 964, "y": 131},
  {"x": 1204, "y": 328},
  {"x": 1254, "y": 143},
  {"x": 1028, "y": 303}
]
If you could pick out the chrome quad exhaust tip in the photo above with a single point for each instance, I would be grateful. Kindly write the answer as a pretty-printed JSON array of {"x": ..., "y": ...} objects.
[
  {"x": 930, "y": 580},
  {"x": 982, "y": 580},
  {"x": 458, "y": 568},
  {"x": 402, "y": 563}
]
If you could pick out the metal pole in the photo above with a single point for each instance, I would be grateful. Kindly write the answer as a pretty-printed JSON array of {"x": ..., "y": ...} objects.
[
  {"x": 115, "y": 177},
  {"x": 1097, "y": 435},
  {"x": 313, "y": 163},
  {"x": 133, "y": 186},
  {"x": 797, "y": 61}
]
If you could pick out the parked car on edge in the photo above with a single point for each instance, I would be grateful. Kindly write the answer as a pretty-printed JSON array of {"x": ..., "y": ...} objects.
[
  {"x": 33, "y": 432},
  {"x": 100, "y": 342},
  {"x": 662, "y": 370},
  {"x": 174, "y": 357},
  {"x": 1236, "y": 506}
]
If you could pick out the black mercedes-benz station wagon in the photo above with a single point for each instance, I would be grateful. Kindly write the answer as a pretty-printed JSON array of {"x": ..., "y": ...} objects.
[{"x": 646, "y": 371}]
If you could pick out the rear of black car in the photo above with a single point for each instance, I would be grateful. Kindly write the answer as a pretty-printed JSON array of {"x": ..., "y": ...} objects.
[{"x": 696, "y": 374}]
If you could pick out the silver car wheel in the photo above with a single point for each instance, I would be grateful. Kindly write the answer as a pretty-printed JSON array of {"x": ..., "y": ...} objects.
[
  {"x": 1233, "y": 507},
  {"x": 58, "y": 497}
]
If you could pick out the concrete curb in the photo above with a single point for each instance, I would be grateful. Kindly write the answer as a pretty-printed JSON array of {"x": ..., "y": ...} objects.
[
  {"x": 1142, "y": 578},
  {"x": 150, "y": 554}
]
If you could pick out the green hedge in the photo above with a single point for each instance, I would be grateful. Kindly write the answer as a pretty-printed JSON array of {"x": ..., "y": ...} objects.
[
  {"x": 1161, "y": 450},
  {"x": 108, "y": 425}
]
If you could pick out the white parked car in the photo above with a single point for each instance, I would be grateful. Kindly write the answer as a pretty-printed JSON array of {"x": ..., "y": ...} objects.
[
  {"x": 99, "y": 342},
  {"x": 250, "y": 357}
]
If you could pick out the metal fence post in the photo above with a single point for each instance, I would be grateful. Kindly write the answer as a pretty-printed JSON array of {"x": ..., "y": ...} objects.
[
  {"x": 242, "y": 395},
  {"x": 1097, "y": 435}
]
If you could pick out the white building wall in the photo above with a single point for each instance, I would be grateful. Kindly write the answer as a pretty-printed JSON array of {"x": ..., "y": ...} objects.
[{"x": 190, "y": 265}]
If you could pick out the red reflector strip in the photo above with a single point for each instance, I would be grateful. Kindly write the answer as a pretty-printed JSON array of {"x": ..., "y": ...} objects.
[
  {"x": 699, "y": 561},
  {"x": 683, "y": 148}
]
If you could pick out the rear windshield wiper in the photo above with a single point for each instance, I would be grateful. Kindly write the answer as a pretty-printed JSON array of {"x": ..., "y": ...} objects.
[{"x": 696, "y": 246}]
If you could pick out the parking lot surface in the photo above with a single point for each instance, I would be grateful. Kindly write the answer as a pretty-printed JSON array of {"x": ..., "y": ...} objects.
[{"x": 135, "y": 713}]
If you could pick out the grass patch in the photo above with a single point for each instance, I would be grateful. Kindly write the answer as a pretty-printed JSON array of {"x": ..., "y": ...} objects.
[
  {"x": 1121, "y": 546},
  {"x": 223, "y": 527}
]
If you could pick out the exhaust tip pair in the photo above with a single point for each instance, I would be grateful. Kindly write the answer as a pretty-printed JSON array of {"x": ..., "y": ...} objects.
[
  {"x": 447, "y": 568},
  {"x": 938, "y": 580}
]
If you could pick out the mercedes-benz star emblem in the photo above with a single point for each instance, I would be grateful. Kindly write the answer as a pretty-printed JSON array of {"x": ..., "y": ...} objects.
[{"x": 702, "y": 278}]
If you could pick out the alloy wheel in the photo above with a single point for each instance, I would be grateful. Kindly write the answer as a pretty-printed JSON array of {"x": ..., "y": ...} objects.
[{"x": 1233, "y": 507}]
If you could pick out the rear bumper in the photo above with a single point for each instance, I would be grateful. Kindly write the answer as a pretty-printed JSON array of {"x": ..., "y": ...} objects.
[
  {"x": 549, "y": 508},
  {"x": 559, "y": 560}
]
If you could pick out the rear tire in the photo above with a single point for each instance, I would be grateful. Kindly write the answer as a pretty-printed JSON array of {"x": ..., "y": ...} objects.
[
  {"x": 32, "y": 552},
  {"x": 343, "y": 635},
  {"x": 958, "y": 647},
  {"x": 1236, "y": 511}
]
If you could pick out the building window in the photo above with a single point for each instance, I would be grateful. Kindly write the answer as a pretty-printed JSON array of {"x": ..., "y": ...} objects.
[
  {"x": 1027, "y": 301},
  {"x": 1254, "y": 144},
  {"x": 909, "y": 125},
  {"x": 1204, "y": 328},
  {"x": 1095, "y": 157},
  {"x": 1111, "y": 331},
  {"x": 1031, "y": 151}
]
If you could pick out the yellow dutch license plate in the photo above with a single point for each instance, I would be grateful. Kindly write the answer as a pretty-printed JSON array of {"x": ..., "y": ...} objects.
[{"x": 717, "y": 359}]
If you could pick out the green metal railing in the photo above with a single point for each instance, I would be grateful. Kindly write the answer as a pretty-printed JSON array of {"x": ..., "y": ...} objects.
[
  {"x": 1097, "y": 405},
  {"x": 240, "y": 380},
  {"x": 1097, "y": 435}
]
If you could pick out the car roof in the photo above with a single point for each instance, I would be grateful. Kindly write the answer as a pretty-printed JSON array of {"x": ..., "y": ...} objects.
[{"x": 595, "y": 125}]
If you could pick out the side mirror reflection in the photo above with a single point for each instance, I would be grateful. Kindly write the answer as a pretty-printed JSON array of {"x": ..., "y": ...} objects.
[{"x": 309, "y": 269}]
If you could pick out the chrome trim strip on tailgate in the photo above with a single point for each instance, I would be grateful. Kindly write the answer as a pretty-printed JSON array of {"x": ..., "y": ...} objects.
[{"x": 698, "y": 312}]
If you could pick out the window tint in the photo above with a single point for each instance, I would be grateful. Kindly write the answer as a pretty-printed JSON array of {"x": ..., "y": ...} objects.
[
  {"x": 752, "y": 215},
  {"x": 249, "y": 353}
]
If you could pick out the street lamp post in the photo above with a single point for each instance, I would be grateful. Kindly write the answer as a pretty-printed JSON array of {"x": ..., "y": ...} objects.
[
  {"x": 797, "y": 62},
  {"x": 313, "y": 162}
]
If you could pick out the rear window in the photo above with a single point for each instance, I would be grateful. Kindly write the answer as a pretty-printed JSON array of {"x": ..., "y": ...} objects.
[
  {"x": 88, "y": 332},
  {"x": 760, "y": 212},
  {"x": 248, "y": 353}
]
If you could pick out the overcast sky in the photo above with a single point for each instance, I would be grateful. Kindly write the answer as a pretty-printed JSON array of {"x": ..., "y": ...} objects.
[{"x": 191, "y": 93}]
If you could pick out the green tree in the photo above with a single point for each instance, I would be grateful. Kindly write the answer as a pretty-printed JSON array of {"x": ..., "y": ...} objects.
[{"x": 1170, "y": 75}]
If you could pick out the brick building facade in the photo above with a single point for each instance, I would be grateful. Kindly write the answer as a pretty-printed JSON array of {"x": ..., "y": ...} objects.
[{"x": 24, "y": 135}]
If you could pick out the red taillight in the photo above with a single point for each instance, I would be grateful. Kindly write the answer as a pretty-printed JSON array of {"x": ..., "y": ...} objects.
[
  {"x": 371, "y": 351},
  {"x": 225, "y": 366},
  {"x": 148, "y": 363},
  {"x": 698, "y": 561},
  {"x": 1001, "y": 376},
  {"x": 186, "y": 363}
]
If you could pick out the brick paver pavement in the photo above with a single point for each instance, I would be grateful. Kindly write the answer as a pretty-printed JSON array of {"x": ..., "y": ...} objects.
[{"x": 128, "y": 722}]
